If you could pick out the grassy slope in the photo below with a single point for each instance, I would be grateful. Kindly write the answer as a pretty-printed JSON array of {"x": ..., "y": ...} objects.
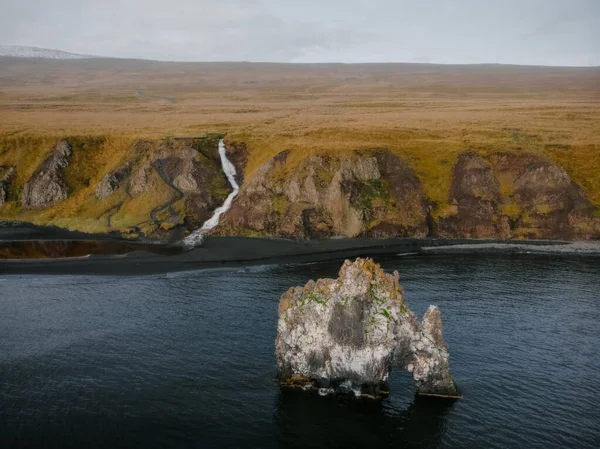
[
  {"x": 93, "y": 157},
  {"x": 426, "y": 114}
]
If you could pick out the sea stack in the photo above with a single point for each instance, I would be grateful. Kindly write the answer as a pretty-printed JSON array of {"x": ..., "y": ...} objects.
[{"x": 346, "y": 334}]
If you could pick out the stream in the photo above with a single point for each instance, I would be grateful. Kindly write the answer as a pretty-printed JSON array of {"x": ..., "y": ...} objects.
[{"x": 196, "y": 237}]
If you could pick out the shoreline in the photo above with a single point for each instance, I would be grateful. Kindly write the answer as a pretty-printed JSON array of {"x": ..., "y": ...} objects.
[{"x": 124, "y": 257}]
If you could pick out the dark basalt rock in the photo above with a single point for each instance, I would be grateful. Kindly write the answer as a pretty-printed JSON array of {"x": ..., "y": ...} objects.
[
  {"x": 237, "y": 153},
  {"x": 406, "y": 216},
  {"x": 552, "y": 204},
  {"x": 476, "y": 193},
  {"x": 517, "y": 195}
]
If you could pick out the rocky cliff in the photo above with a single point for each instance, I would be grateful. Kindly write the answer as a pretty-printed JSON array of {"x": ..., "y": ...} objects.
[
  {"x": 347, "y": 333},
  {"x": 159, "y": 189},
  {"x": 47, "y": 185},
  {"x": 374, "y": 195},
  {"x": 511, "y": 195},
  {"x": 377, "y": 194},
  {"x": 6, "y": 176},
  {"x": 166, "y": 189},
  {"x": 194, "y": 178}
]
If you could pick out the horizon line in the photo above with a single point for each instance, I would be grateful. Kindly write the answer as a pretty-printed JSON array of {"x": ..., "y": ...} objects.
[{"x": 225, "y": 61}]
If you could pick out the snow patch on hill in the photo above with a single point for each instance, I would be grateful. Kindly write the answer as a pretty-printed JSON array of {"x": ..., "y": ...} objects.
[{"x": 18, "y": 51}]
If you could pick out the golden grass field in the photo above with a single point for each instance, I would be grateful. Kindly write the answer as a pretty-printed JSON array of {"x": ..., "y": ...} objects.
[{"x": 427, "y": 114}]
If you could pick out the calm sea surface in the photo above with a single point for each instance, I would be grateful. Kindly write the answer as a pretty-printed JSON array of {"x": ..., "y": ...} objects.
[{"x": 186, "y": 359}]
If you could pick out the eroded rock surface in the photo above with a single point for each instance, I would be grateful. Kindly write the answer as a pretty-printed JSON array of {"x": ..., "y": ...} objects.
[
  {"x": 505, "y": 195},
  {"x": 237, "y": 153},
  {"x": 475, "y": 192},
  {"x": 373, "y": 194},
  {"x": 170, "y": 187},
  {"x": 6, "y": 176},
  {"x": 47, "y": 185},
  {"x": 111, "y": 182},
  {"x": 187, "y": 173},
  {"x": 352, "y": 330},
  {"x": 141, "y": 180},
  {"x": 517, "y": 195},
  {"x": 549, "y": 204},
  {"x": 195, "y": 176}
]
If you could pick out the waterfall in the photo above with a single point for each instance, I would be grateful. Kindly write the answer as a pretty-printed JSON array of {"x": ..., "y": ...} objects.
[{"x": 196, "y": 237}]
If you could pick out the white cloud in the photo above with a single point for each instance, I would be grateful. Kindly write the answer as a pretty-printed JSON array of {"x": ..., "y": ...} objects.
[{"x": 561, "y": 32}]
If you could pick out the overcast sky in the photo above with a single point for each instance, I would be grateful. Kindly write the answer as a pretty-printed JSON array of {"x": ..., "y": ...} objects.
[{"x": 546, "y": 32}]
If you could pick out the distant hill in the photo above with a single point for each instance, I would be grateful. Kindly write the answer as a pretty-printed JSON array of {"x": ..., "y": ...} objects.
[{"x": 18, "y": 51}]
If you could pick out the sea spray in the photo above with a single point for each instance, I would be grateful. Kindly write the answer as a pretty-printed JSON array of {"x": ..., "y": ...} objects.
[{"x": 196, "y": 237}]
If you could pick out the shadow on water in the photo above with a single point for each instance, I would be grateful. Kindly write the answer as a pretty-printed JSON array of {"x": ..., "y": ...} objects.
[{"x": 307, "y": 420}]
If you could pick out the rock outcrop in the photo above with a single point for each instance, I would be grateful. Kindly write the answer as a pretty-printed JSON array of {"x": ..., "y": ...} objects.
[
  {"x": 374, "y": 194},
  {"x": 475, "y": 192},
  {"x": 377, "y": 194},
  {"x": 347, "y": 334},
  {"x": 111, "y": 182},
  {"x": 168, "y": 188},
  {"x": 237, "y": 153},
  {"x": 6, "y": 176},
  {"x": 141, "y": 180},
  {"x": 551, "y": 204},
  {"x": 195, "y": 176},
  {"x": 187, "y": 173},
  {"x": 516, "y": 195},
  {"x": 47, "y": 185}
]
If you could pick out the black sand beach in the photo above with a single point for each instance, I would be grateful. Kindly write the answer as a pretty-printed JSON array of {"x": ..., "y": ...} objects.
[{"x": 28, "y": 249}]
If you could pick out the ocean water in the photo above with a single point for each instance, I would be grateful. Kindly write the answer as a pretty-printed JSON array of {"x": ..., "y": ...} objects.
[{"x": 186, "y": 359}]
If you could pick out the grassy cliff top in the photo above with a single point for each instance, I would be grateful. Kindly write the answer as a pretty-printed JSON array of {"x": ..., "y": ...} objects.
[{"x": 427, "y": 114}]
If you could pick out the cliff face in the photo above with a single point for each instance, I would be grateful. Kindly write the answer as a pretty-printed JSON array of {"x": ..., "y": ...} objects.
[
  {"x": 349, "y": 332},
  {"x": 168, "y": 188},
  {"x": 194, "y": 178},
  {"x": 504, "y": 196},
  {"x": 47, "y": 185},
  {"x": 374, "y": 195},
  {"x": 190, "y": 177},
  {"x": 111, "y": 182},
  {"x": 6, "y": 176},
  {"x": 512, "y": 195},
  {"x": 160, "y": 189}
]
